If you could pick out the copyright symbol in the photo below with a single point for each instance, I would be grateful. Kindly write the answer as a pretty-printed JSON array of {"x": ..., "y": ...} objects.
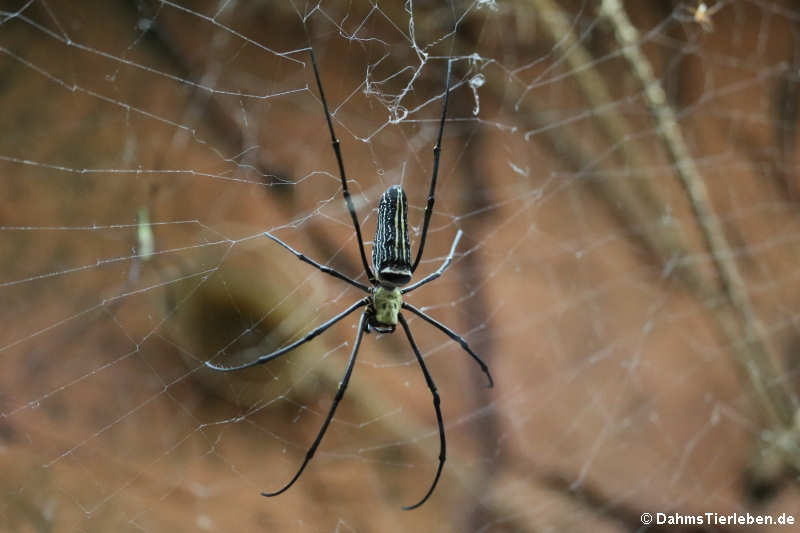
[{"x": 646, "y": 518}]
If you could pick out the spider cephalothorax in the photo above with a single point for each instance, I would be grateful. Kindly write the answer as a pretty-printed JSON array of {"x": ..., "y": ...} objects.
[
  {"x": 391, "y": 258},
  {"x": 384, "y": 308}
]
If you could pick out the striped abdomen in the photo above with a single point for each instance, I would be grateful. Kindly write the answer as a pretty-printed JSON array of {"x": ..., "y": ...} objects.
[{"x": 391, "y": 251}]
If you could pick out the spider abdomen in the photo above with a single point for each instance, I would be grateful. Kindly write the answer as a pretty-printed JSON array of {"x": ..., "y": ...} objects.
[{"x": 391, "y": 251}]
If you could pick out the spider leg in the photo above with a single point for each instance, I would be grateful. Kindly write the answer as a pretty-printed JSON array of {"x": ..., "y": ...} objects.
[
  {"x": 277, "y": 353},
  {"x": 450, "y": 333},
  {"x": 336, "y": 400},
  {"x": 338, "y": 151},
  {"x": 323, "y": 268},
  {"x": 435, "y": 393},
  {"x": 431, "y": 193},
  {"x": 434, "y": 275}
]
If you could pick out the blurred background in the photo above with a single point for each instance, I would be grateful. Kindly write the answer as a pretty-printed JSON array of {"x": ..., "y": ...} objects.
[{"x": 625, "y": 177}]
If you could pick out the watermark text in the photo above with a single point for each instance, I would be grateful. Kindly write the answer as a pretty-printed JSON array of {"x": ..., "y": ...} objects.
[{"x": 717, "y": 519}]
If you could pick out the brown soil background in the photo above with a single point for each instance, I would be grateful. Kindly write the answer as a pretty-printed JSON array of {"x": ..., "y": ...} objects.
[{"x": 631, "y": 375}]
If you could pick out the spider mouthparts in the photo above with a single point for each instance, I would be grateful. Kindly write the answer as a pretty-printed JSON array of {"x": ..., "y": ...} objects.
[{"x": 381, "y": 328}]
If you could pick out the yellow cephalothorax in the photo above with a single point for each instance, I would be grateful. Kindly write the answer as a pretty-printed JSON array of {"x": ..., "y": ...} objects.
[{"x": 387, "y": 303}]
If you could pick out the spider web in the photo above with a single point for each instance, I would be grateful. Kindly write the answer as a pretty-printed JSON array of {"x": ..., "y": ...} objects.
[{"x": 625, "y": 179}]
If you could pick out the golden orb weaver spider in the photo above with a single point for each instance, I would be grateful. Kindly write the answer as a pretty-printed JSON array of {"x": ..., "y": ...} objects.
[{"x": 391, "y": 258}]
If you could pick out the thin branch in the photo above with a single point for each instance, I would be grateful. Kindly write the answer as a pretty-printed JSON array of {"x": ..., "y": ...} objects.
[{"x": 753, "y": 354}]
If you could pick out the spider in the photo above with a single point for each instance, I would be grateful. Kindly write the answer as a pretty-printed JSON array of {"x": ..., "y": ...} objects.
[
  {"x": 702, "y": 14},
  {"x": 391, "y": 259}
]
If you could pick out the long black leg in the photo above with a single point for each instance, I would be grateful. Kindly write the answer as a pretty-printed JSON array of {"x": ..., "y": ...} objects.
[
  {"x": 338, "y": 151},
  {"x": 313, "y": 333},
  {"x": 336, "y": 400},
  {"x": 434, "y": 275},
  {"x": 435, "y": 393},
  {"x": 431, "y": 194},
  {"x": 323, "y": 268},
  {"x": 450, "y": 333}
]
